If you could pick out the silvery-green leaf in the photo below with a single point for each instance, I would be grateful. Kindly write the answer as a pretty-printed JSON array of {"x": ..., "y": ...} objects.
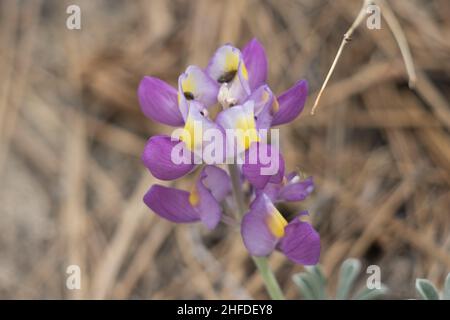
[
  {"x": 317, "y": 271},
  {"x": 447, "y": 288},
  {"x": 320, "y": 280},
  {"x": 308, "y": 285},
  {"x": 349, "y": 271},
  {"x": 370, "y": 294},
  {"x": 426, "y": 289}
]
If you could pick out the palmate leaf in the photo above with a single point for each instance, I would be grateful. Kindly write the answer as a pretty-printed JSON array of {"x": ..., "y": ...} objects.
[
  {"x": 318, "y": 273},
  {"x": 312, "y": 283},
  {"x": 319, "y": 279},
  {"x": 370, "y": 294},
  {"x": 349, "y": 271},
  {"x": 446, "y": 294},
  {"x": 426, "y": 289},
  {"x": 310, "y": 286}
]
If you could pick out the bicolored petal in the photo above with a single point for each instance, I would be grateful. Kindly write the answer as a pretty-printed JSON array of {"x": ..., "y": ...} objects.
[
  {"x": 227, "y": 67},
  {"x": 203, "y": 200},
  {"x": 171, "y": 204},
  {"x": 262, "y": 227},
  {"x": 255, "y": 60},
  {"x": 183, "y": 103},
  {"x": 157, "y": 157},
  {"x": 224, "y": 64},
  {"x": 265, "y": 106},
  {"x": 195, "y": 84},
  {"x": 200, "y": 204},
  {"x": 158, "y": 101},
  {"x": 242, "y": 88},
  {"x": 263, "y": 163},
  {"x": 291, "y": 103},
  {"x": 240, "y": 126},
  {"x": 301, "y": 243},
  {"x": 197, "y": 124},
  {"x": 261, "y": 97},
  {"x": 217, "y": 181},
  {"x": 296, "y": 189},
  {"x": 271, "y": 190}
]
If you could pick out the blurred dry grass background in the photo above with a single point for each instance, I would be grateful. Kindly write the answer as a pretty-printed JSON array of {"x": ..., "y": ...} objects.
[{"x": 71, "y": 135}]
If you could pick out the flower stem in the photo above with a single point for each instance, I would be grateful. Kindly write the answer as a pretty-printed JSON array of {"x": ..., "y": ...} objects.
[
  {"x": 236, "y": 185},
  {"x": 272, "y": 286},
  {"x": 271, "y": 283}
]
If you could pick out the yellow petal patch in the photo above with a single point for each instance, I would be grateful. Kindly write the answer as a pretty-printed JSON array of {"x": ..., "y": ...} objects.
[
  {"x": 244, "y": 70},
  {"x": 188, "y": 84},
  {"x": 265, "y": 96},
  {"x": 194, "y": 198},
  {"x": 248, "y": 127},
  {"x": 189, "y": 136},
  {"x": 231, "y": 61},
  {"x": 275, "y": 105},
  {"x": 276, "y": 223}
]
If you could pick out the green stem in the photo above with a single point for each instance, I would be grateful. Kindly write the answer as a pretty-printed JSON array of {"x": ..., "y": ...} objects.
[
  {"x": 236, "y": 185},
  {"x": 271, "y": 283},
  {"x": 272, "y": 286}
]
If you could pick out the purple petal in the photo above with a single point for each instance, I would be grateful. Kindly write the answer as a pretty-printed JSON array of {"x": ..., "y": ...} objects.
[
  {"x": 217, "y": 181},
  {"x": 291, "y": 103},
  {"x": 264, "y": 119},
  {"x": 261, "y": 97},
  {"x": 296, "y": 190},
  {"x": 258, "y": 239},
  {"x": 263, "y": 164},
  {"x": 301, "y": 243},
  {"x": 158, "y": 101},
  {"x": 206, "y": 204},
  {"x": 279, "y": 176},
  {"x": 157, "y": 158},
  {"x": 264, "y": 100},
  {"x": 171, "y": 204},
  {"x": 291, "y": 175},
  {"x": 183, "y": 103},
  {"x": 256, "y": 62},
  {"x": 271, "y": 190}
]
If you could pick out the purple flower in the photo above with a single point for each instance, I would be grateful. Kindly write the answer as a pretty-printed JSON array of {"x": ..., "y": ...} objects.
[
  {"x": 292, "y": 188},
  {"x": 202, "y": 203},
  {"x": 267, "y": 167},
  {"x": 264, "y": 229},
  {"x": 227, "y": 68},
  {"x": 232, "y": 77},
  {"x": 240, "y": 119},
  {"x": 157, "y": 158},
  {"x": 158, "y": 151},
  {"x": 158, "y": 101},
  {"x": 195, "y": 85},
  {"x": 162, "y": 103},
  {"x": 255, "y": 59},
  {"x": 237, "y": 81},
  {"x": 291, "y": 103}
]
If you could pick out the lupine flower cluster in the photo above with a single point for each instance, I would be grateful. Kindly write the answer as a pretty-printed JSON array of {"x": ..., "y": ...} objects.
[{"x": 231, "y": 93}]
